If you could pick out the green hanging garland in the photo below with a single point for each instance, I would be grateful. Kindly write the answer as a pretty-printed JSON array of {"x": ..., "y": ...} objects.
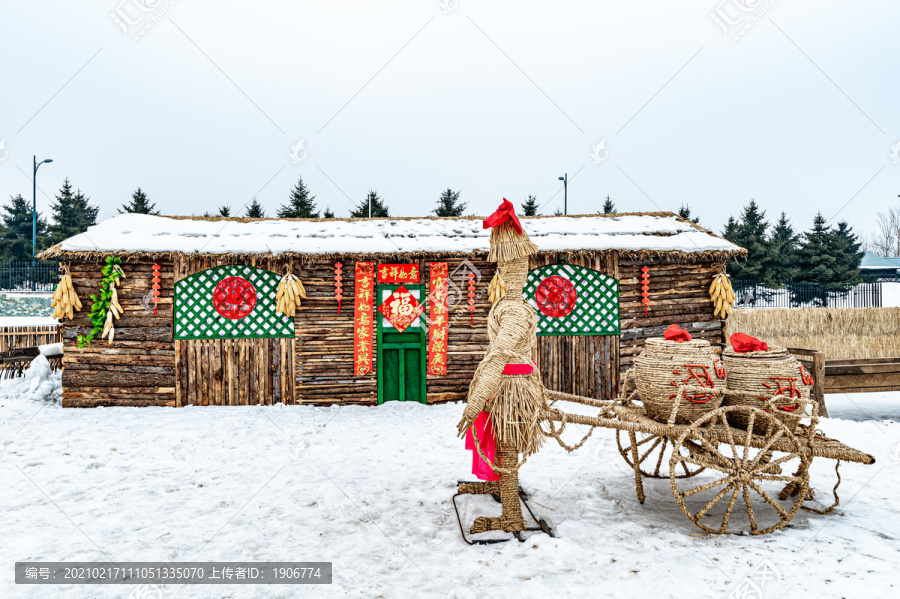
[{"x": 112, "y": 272}]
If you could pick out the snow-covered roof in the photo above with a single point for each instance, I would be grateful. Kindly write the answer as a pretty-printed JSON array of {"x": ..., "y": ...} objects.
[
  {"x": 872, "y": 261},
  {"x": 131, "y": 233}
]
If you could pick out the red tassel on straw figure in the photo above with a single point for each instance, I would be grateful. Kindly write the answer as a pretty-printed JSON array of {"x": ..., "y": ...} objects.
[
  {"x": 471, "y": 298},
  {"x": 338, "y": 285},
  {"x": 156, "y": 287},
  {"x": 645, "y": 287}
]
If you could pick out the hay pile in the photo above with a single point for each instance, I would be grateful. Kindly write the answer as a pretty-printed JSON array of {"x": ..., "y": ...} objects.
[{"x": 842, "y": 333}]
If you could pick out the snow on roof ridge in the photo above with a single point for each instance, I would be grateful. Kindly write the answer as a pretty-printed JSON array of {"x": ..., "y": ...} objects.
[{"x": 659, "y": 232}]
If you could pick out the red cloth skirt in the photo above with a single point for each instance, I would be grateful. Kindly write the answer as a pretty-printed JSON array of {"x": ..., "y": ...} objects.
[{"x": 484, "y": 428}]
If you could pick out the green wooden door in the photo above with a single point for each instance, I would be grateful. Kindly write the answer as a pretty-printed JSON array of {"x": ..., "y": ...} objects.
[{"x": 401, "y": 356}]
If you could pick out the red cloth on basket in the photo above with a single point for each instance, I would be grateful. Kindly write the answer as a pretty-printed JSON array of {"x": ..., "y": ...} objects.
[
  {"x": 676, "y": 333},
  {"x": 484, "y": 428},
  {"x": 743, "y": 343},
  {"x": 505, "y": 212}
]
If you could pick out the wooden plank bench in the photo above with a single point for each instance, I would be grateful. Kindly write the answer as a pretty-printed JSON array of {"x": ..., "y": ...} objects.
[
  {"x": 869, "y": 375},
  {"x": 865, "y": 375}
]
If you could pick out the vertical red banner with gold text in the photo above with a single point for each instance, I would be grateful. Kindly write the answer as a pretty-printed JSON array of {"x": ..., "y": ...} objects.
[
  {"x": 438, "y": 319},
  {"x": 363, "y": 324}
]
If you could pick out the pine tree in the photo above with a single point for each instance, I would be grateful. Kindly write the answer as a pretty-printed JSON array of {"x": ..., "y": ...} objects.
[
  {"x": 300, "y": 204},
  {"x": 609, "y": 207},
  {"x": 558, "y": 212},
  {"x": 379, "y": 208},
  {"x": 224, "y": 210},
  {"x": 255, "y": 210},
  {"x": 846, "y": 249},
  {"x": 784, "y": 251},
  {"x": 449, "y": 204},
  {"x": 530, "y": 206},
  {"x": 328, "y": 213},
  {"x": 17, "y": 229},
  {"x": 730, "y": 228},
  {"x": 750, "y": 233},
  {"x": 685, "y": 212},
  {"x": 73, "y": 213},
  {"x": 815, "y": 261},
  {"x": 139, "y": 204}
]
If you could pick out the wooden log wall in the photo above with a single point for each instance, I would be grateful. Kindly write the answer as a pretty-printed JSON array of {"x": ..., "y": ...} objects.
[
  {"x": 324, "y": 353},
  {"x": 324, "y": 343},
  {"x": 138, "y": 368},
  {"x": 233, "y": 371},
  {"x": 585, "y": 365},
  {"x": 679, "y": 293},
  {"x": 144, "y": 366},
  {"x": 466, "y": 342}
]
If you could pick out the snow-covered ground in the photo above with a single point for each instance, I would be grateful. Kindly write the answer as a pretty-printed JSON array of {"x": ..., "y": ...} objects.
[{"x": 369, "y": 488}]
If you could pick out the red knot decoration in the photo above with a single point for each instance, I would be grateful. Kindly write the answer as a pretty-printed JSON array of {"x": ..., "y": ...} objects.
[
  {"x": 471, "y": 298},
  {"x": 338, "y": 285},
  {"x": 156, "y": 287},
  {"x": 645, "y": 287}
]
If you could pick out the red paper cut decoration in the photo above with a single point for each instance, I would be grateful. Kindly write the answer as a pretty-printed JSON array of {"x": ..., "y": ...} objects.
[
  {"x": 338, "y": 286},
  {"x": 363, "y": 321},
  {"x": 156, "y": 287},
  {"x": 556, "y": 296},
  {"x": 472, "y": 297},
  {"x": 398, "y": 273},
  {"x": 645, "y": 287},
  {"x": 401, "y": 308},
  {"x": 438, "y": 317},
  {"x": 234, "y": 298}
]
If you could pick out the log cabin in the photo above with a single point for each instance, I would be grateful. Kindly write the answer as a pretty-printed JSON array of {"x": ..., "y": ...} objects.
[{"x": 395, "y": 308}]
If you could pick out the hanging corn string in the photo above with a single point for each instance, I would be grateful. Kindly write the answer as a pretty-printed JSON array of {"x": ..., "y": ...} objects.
[
  {"x": 290, "y": 292},
  {"x": 65, "y": 301},
  {"x": 497, "y": 289},
  {"x": 722, "y": 295}
]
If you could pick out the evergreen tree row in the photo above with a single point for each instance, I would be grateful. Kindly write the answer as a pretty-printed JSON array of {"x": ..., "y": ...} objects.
[{"x": 775, "y": 255}]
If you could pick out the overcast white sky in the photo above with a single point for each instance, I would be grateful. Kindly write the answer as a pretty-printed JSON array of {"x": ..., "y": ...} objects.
[{"x": 495, "y": 98}]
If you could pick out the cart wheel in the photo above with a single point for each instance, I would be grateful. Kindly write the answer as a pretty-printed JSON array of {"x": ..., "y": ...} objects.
[
  {"x": 741, "y": 470},
  {"x": 653, "y": 455}
]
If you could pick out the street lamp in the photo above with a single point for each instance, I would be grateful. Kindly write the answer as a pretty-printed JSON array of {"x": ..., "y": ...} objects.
[
  {"x": 565, "y": 181},
  {"x": 34, "y": 215}
]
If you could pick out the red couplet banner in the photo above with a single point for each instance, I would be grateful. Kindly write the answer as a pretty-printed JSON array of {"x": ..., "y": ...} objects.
[
  {"x": 398, "y": 273},
  {"x": 438, "y": 319},
  {"x": 363, "y": 300}
]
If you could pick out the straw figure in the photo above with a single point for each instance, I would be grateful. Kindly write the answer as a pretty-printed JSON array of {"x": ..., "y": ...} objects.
[{"x": 506, "y": 396}]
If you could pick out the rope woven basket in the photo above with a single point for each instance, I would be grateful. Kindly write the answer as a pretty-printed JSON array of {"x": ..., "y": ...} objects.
[
  {"x": 767, "y": 380},
  {"x": 679, "y": 382}
]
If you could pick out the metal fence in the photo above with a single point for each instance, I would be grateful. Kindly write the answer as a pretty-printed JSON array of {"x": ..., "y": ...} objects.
[
  {"x": 25, "y": 276},
  {"x": 804, "y": 294}
]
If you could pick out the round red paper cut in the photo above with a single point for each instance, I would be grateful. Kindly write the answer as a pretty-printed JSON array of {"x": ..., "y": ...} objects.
[
  {"x": 234, "y": 298},
  {"x": 556, "y": 296}
]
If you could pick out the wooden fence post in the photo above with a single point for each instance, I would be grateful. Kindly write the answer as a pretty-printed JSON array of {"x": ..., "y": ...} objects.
[{"x": 819, "y": 381}]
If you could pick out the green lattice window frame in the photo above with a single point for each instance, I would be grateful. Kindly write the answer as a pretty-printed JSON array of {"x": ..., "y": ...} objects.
[
  {"x": 596, "y": 311},
  {"x": 195, "y": 317}
]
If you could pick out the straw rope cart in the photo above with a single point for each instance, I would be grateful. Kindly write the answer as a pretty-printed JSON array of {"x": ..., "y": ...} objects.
[
  {"x": 739, "y": 464},
  {"x": 691, "y": 439}
]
